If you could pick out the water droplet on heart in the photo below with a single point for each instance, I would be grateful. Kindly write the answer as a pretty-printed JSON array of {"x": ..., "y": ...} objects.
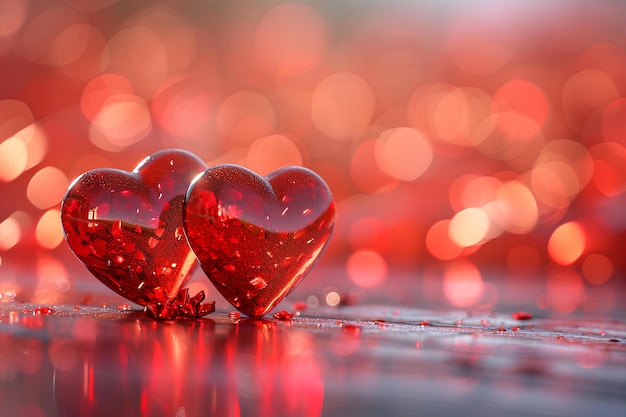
[
  {"x": 258, "y": 283},
  {"x": 119, "y": 259},
  {"x": 306, "y": 211}
]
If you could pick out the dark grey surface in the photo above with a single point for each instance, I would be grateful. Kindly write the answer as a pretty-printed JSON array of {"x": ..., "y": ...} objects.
[{"x": 349, "y": 361}]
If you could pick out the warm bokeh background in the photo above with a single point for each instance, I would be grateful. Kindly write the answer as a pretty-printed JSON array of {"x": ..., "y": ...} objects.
[{"x": 475, "y": 149}]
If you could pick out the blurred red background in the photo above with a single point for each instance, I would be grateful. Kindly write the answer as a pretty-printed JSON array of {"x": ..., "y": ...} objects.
[{"x": 475, "y": 149}]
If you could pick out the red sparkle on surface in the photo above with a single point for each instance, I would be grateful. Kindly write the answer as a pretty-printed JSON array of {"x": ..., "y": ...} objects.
[
  {"x": 283, "y": 315},
  {"x": 522, "y": 315}
]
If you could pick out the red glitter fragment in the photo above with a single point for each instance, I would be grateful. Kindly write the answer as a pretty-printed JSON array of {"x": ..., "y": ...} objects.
[
  {"x": 43, "y": 311},
  {"x": 351, "y": 328},
  {"x": 522, "y": 315},
  {"x": 424, "y": 323},
  {"x": 250, "y": 235},
  {"x": 515, "y": 328},
  {"x": 283, "y": 315},
  {"x": 165, "y": 308},
  {"x": 125, "y": 226}
]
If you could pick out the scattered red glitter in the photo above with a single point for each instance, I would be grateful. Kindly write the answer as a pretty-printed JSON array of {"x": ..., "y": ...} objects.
[
  {"x": 515, "y": 328},
  {"x": 283, "y": 315},
  {"x": 424, "y": 323},
  {"x": 43, "y": 310},
  {"x": 256, "y": 238},
  {"x": 127, "y": 227},
  {"x": 522, "y": 315},
  {"x": 183, "y": 305}
]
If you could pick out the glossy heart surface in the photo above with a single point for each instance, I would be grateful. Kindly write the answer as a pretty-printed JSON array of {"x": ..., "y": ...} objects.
[
  {"x": 256, "y": 238},
  {"x": 127, "y": 227}
]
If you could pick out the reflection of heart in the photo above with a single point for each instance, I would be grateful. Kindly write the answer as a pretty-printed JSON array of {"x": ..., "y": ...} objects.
[
  {"x": 256, "y": 238},
  {"x": 127, "y": 227}
]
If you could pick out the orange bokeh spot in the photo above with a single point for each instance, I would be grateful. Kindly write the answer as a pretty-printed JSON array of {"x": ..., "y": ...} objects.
[
  {"x": 47, "y": 187},
  {"x": 365, "y": 172},
  {"x": 185, "y": 110},
  {"x": 15, "y": 115},
  {"x": 468, "y": 227},
  {"x": 138, "y": 54},
  {"x": 366, "y": 268},
  {"x": 272, "y": 152},
  {"x": 523, "y": 97},
  {"x": 505, "y": 135},
  {"x": 291, "y": 39},
  {"x": 10, "y": 232},
  {"x": 244, "y": 117},
  {"x": 99, "y": 90},
  {"x": 609, "y": 168},
  {"x": 13, "y": 159},
  {"x": 12, "y": 16},
  {"x": 518, "y": 212},
  {"x": 342, "y": 106},
  {"x": 462, "y": 283},
  {"x": 48, "y": 232},
  {"x": 45, "y": 35},
  {"x": 567, "y": 243},
  {"x": 584, "y": 93},
  {"x": 597, "y": 268},
  {"x": 439, "y": 243},
  {"x": 565, "y": 290},
  {"x": 479, "y": 191},
  {"x": 123, "y": 120},
  {"x": 403, "y": 153},
  {"x": 614, "y": 121}
]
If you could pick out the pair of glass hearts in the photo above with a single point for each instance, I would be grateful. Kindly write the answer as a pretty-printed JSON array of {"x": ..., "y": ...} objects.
[{"x": 141, "y": 232}]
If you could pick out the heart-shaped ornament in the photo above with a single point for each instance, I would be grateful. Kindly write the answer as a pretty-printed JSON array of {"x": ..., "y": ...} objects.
[
  {"x": 127, "y": 229},
  {"x": 256, "y": 238}
]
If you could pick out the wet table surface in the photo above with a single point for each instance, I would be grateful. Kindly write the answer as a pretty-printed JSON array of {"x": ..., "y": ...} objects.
[{"x": 363, "y": 360}]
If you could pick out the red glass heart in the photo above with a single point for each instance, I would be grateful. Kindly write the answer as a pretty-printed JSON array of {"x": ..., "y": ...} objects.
[
  {"x": 256, "y": 238},
  {"x": 127, "y": 227}
]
